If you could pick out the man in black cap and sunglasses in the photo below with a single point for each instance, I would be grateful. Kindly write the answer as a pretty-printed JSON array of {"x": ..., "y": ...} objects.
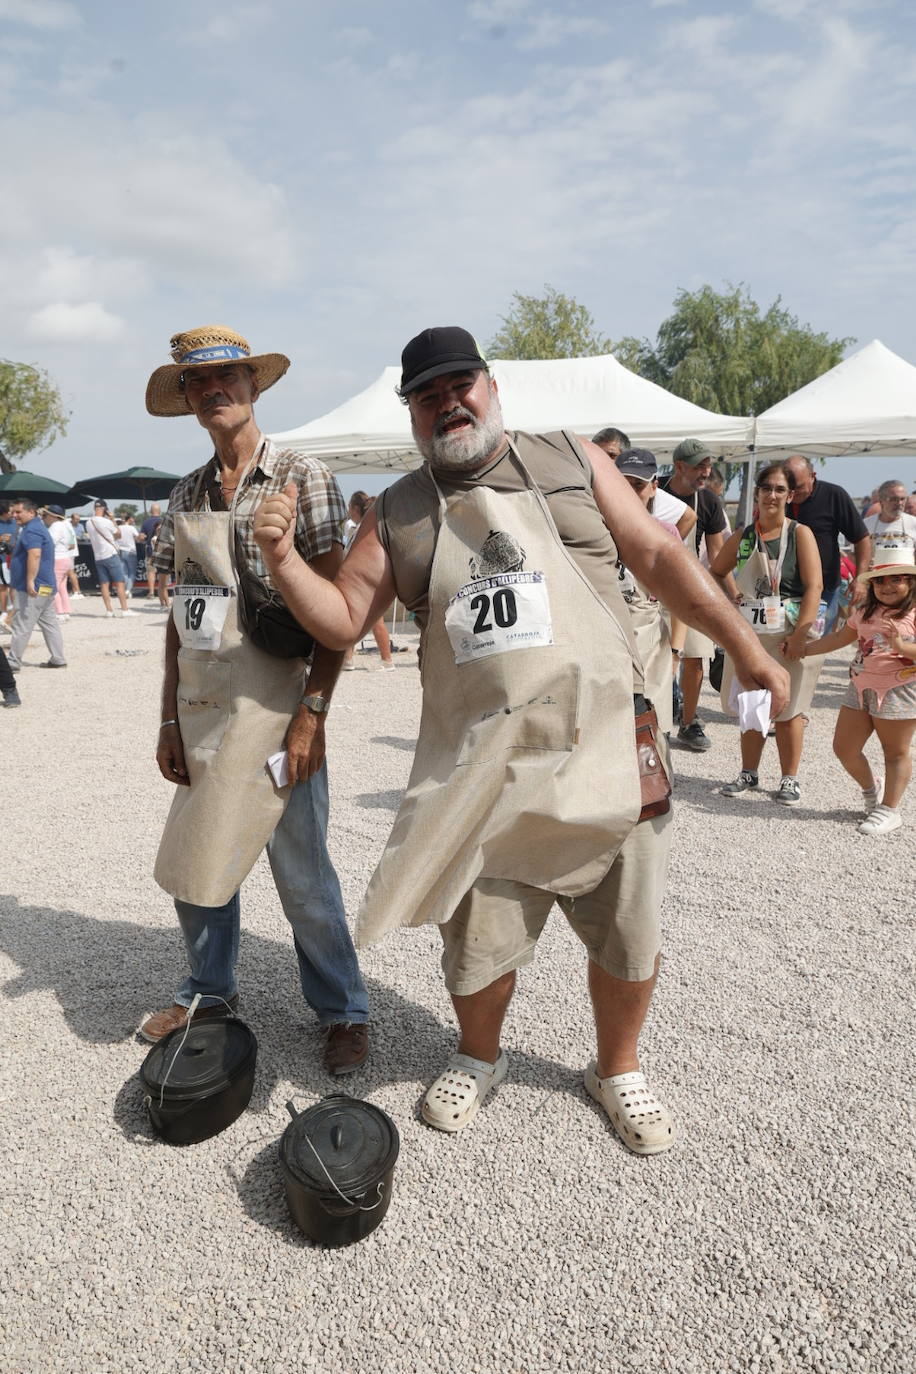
[{"x": 525, "y": 787}]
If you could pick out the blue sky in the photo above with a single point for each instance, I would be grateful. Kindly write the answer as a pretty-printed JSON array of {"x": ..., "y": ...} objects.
[{"x": 331, "y": 179}]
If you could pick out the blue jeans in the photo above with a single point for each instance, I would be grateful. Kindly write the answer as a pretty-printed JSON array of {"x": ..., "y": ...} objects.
[
  {"x": 830, "y": 608},
  {"x": 310, "y": 894},
  {"x": 130, "y": 570}
]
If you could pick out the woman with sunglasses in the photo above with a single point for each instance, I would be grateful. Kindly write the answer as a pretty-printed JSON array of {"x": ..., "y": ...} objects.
[
  {"x": 777, "y": 570},
  {"x": 881, "y": 697}
]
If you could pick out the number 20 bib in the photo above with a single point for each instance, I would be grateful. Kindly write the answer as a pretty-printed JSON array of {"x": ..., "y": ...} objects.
[
  {"x": 200, "y": 613},
  {"x": 496, "y": 614}
]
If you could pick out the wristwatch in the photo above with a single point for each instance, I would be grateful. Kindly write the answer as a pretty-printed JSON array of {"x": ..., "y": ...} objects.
[{"x": 316, "y": 704}]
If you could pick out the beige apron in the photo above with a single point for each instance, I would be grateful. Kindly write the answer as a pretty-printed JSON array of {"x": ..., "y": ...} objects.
[
  {"x": 525, "y": 767},
  {"x": 754, "y": 573},
  {"x": 235, "y": 704},
  {"x": 653, "y": 641}
]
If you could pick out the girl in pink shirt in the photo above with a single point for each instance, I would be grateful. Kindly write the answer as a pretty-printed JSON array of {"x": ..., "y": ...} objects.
[{"x": 882, "y": 689}]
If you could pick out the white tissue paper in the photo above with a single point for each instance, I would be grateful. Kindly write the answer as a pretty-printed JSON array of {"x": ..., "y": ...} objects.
[
  {"x": 279, "y": 768},
  {"x": 753, "y": 708}
]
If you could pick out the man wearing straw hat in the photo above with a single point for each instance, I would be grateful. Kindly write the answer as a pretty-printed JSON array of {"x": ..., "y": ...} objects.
[
  {"x": 228, "y": 706},
  {"x": 525, "y": 787}
]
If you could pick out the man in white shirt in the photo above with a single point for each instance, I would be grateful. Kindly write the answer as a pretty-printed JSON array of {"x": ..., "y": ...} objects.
[
  {"x": 890, "y": 524},
  {"x": 103, "y": 536},
  {"x": 668, "y": 508}
]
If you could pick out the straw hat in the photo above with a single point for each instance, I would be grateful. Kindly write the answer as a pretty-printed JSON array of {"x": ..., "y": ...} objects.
[
  {"x": 892, "y": 559},
  {"x": 207, "y": 347}
]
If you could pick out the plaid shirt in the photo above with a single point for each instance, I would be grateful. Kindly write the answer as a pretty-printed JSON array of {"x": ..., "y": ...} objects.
[{"x": 319, "y": 521}]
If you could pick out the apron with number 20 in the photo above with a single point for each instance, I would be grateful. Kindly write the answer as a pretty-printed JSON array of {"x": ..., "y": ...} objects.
[{"x": 525, "y": 767}]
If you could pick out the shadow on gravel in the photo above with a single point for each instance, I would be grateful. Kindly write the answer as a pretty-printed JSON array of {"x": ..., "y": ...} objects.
[
  {"x": 260, "y": 1186},
  {"x": 703, "y": 794},
  {"x": 395, "y": 742},
  {"x": 380, "y": 801}
]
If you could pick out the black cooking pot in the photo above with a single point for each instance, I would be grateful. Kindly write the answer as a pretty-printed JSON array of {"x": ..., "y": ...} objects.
[
  {"x": 337, "y": 1160},
  {"x": 197, "y": 1086}
]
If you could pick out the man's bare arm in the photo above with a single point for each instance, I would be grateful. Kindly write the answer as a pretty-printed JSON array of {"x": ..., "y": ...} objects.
[
  {"x": 337, "y": 613},
  {"x": 169, "y": 748},
  {"x": 305, "y": 737},
  {"x": 680, "y": 582}
]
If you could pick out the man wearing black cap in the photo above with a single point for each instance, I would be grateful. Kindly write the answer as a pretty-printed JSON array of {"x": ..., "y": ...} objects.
[
  {"x": 525, "y": 787},
  {"x": 692, "y": 467}
]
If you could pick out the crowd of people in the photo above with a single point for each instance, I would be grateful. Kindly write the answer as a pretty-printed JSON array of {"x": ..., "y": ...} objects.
[
  {"x": 564, "y": 606},
  {"x": 39, "y": 550}
]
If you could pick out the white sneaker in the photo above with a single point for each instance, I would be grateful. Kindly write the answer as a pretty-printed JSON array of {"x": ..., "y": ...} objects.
[
  {"x": 77, "y": 596},
  {"x": 124, "y": 613},
  {"x": 881, "y": 821},
  {"x": 109, "y": 615}
]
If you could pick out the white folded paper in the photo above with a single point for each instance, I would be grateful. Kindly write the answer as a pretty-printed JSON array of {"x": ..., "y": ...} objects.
[
  {"x": 753, "y": 708},
  {"x": 279, "y": 768}
]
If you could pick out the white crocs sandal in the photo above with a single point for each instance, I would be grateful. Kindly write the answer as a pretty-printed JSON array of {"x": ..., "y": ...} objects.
[
  {"x": 460, "y": 1090},
  {"x": 636, "y": 1114}
]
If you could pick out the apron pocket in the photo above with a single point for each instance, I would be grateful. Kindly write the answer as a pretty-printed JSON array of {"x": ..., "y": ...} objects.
[
  {"x": 203, "y": 702},
  {"x": 503, "y": 717}
]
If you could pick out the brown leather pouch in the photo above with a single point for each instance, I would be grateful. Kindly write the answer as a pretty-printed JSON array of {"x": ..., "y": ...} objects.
[{"x": 654, "y": 783}]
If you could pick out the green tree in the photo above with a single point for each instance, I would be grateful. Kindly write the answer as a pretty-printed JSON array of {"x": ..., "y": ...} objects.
[
  {"x": 721, "y": 351},
  {"x": 32, "y": 414},
  {"x": 125, "y": 509},
  {"x": 548, "y": 326}
]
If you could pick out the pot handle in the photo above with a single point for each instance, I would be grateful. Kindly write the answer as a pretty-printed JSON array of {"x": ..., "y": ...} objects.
[{"x": 292, "y": 1111}]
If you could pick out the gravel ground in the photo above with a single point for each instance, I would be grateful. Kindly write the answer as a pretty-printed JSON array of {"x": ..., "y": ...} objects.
[{"x": 776, "y": 1235}]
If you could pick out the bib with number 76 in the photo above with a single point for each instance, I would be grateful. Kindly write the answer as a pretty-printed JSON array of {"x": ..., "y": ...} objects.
[
  {"x": 200, "y": 613},
  {"x": 494, "y": 615}
]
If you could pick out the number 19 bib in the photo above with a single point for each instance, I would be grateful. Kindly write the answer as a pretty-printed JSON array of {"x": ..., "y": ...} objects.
[
  {"x": 496, "y": 614},
  {"x": 200, "y": 613}
]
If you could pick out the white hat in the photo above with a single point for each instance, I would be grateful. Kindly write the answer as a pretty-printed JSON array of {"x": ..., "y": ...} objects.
[{"x": 898, "y": 558}]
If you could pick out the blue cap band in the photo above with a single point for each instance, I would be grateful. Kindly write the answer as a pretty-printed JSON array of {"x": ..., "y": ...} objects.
[{"x": 212, "y": 355}]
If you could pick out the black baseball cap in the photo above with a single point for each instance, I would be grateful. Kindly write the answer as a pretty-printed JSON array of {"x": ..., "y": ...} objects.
[
  {"x": 638, "y": 462},
  {"x": 437, "y": 351}
]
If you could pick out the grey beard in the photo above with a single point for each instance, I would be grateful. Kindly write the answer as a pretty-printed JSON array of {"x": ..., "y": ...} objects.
[{"x": 464, "y": 450}]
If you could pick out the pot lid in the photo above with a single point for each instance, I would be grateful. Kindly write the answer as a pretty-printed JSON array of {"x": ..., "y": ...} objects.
[
  {"x": 211, "y": 1058},
  {"x": 355, "y": 1141}
]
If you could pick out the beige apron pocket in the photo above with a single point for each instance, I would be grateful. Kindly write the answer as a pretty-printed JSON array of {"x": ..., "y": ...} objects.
[
  {"x": 203, "y": 702},
  {"x": 508, "y": 714}
]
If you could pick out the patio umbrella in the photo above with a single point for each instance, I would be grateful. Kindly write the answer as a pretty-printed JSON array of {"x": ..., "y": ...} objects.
[
  {"x": 13, "y": 484},
  {"x": 147, "y": 483}
]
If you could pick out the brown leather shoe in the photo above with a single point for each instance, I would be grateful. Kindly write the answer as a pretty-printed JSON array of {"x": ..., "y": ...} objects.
[
  {"x": 346, "y": 1046},
  {"x": 162, "y": 1023}
]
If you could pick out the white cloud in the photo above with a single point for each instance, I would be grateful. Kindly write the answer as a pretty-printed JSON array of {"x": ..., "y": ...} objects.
[
  {"x": 232, "y": 24},
  {"x": 549, "y": 29},
  {"x": 66, "y": 275},
  {"x": 497, "y": 12},
  {"x": 88, "y": 322},
  {"x": 41, "y": 14},
  {"x": 161, "y": 206}
]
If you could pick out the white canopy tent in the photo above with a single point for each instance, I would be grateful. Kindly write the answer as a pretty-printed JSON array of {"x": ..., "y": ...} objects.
[
  {"x": 866, "y": 404},
  {"x": 371, "y": 432}
]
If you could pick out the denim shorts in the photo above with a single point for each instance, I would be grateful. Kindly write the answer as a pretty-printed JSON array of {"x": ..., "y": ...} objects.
[{"x": 110, "y": 569}]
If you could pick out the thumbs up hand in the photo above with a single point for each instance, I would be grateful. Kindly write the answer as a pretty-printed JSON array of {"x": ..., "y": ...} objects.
[{"x": 275, "y": 525}]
